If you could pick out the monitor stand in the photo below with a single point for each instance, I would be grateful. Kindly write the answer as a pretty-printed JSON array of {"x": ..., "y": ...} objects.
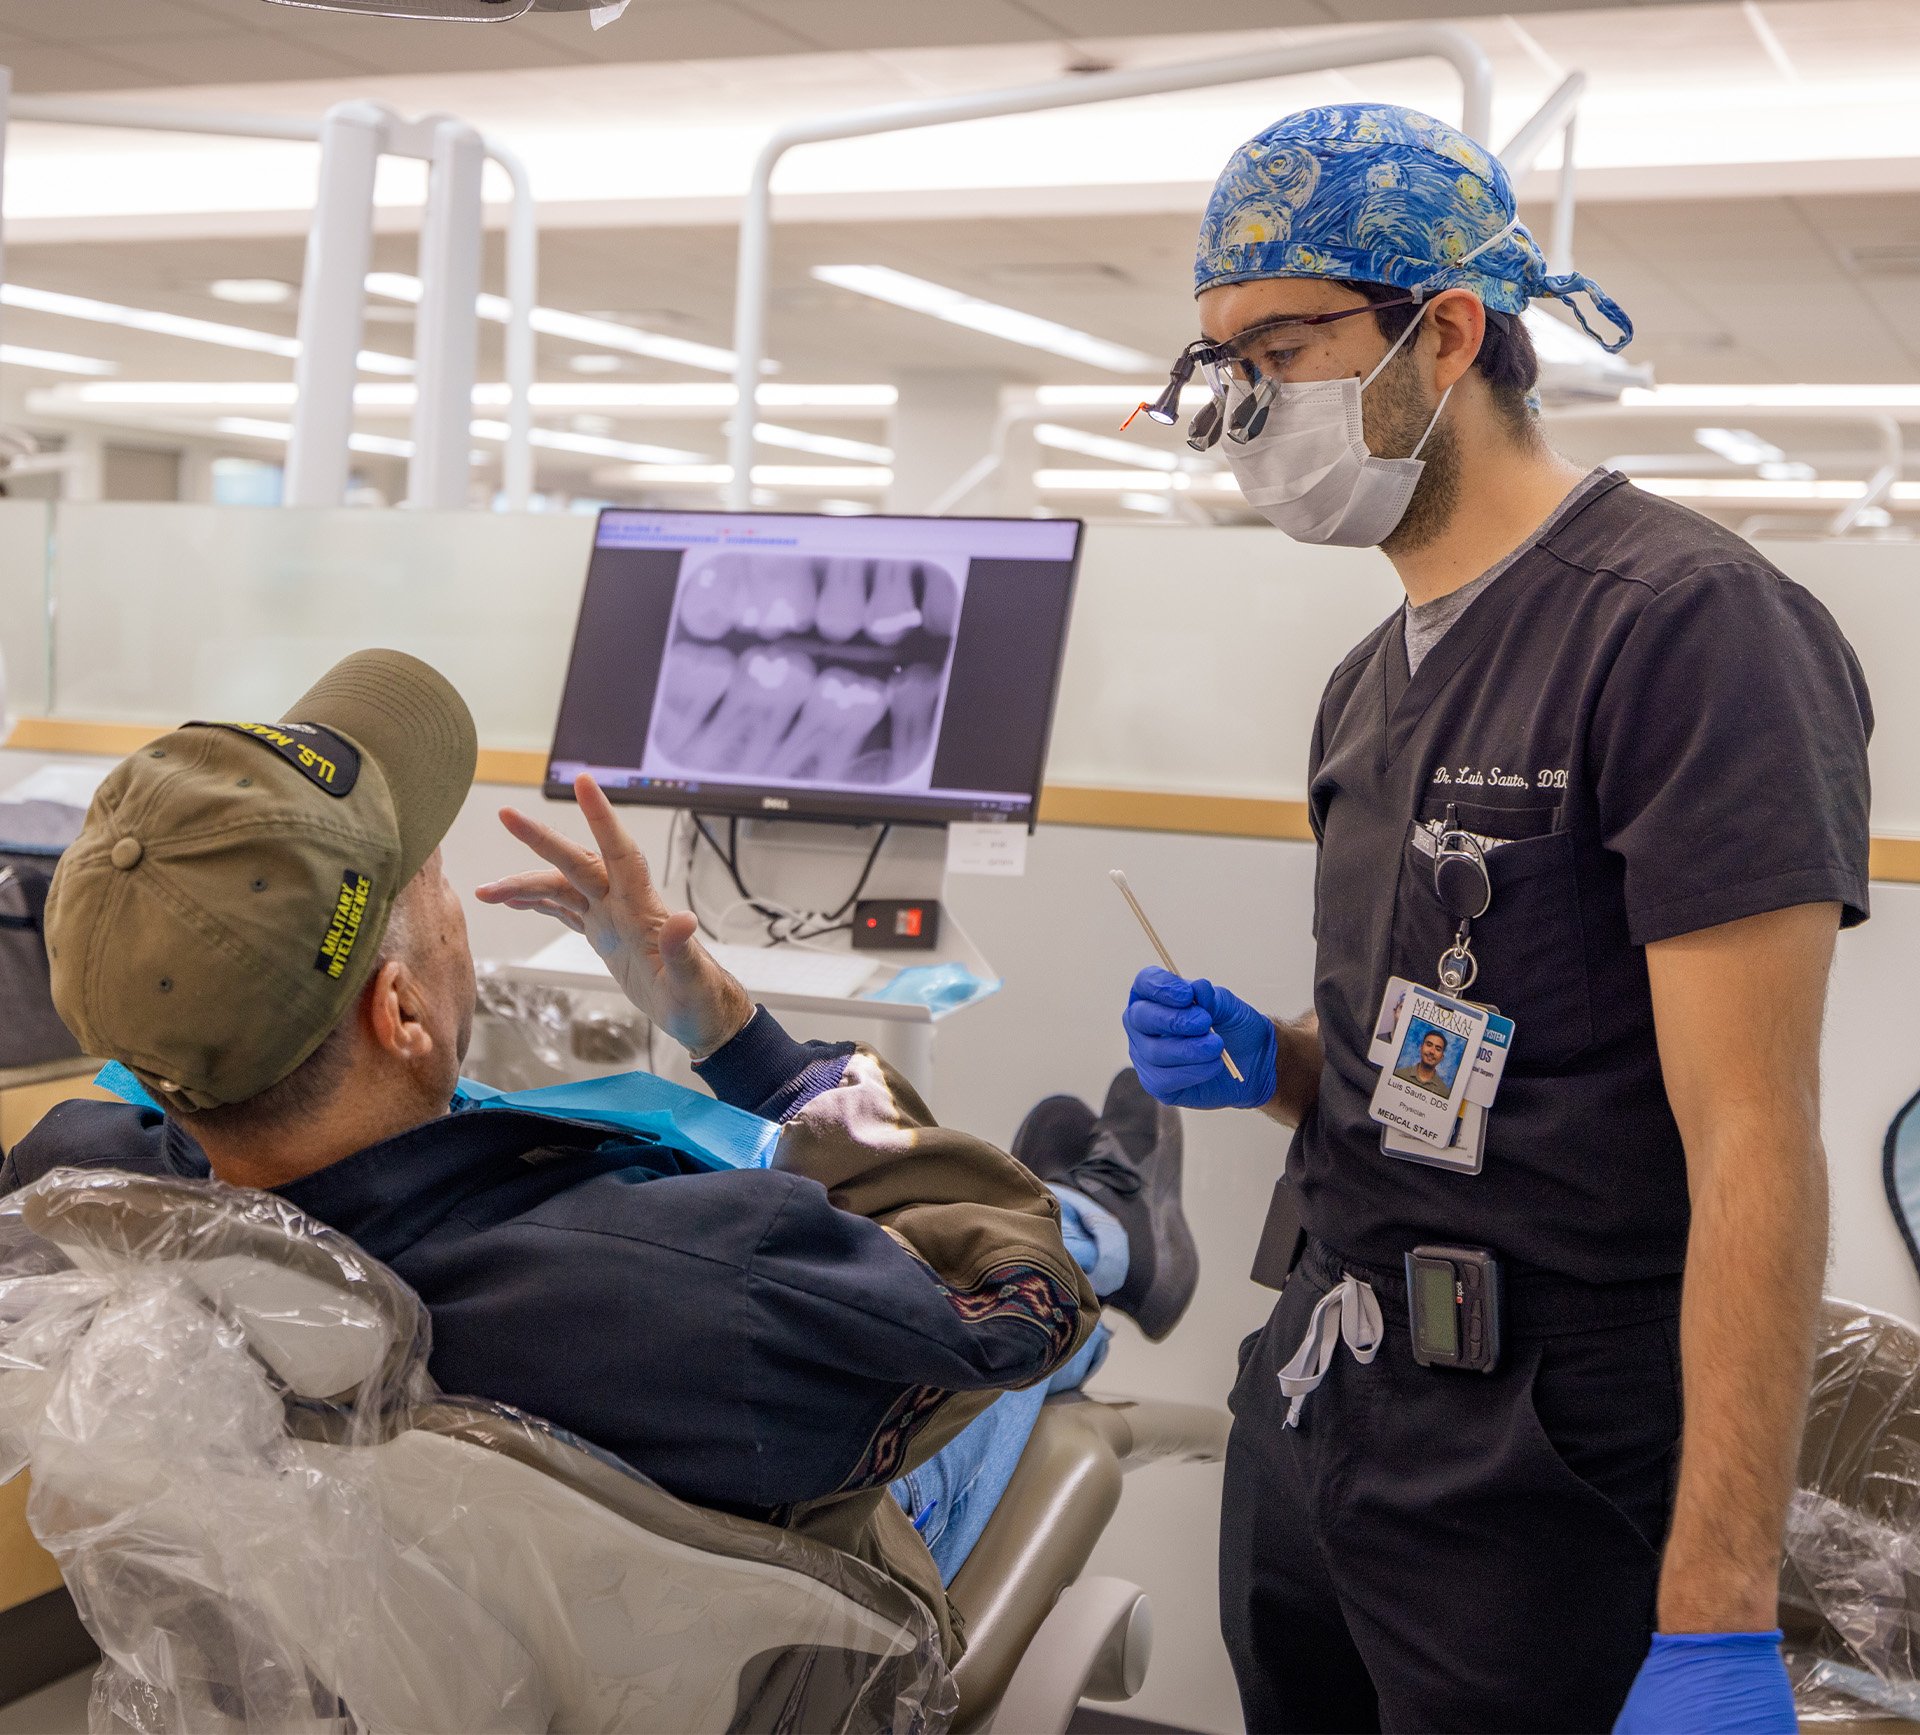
[{"x": 810, "y": 866}]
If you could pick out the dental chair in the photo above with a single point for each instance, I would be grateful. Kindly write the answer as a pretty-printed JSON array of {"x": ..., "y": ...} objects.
[
  {"x": 1850, "y": 1579},
  {"x": 270, "y": 1518}
]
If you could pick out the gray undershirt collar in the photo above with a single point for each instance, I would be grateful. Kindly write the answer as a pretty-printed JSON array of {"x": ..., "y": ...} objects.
[{"x": 1427, "y": 624}]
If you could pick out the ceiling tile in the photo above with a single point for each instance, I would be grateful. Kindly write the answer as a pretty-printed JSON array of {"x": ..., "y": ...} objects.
[
  {"x": 671, "y": 30},
  {"x": 411, "y": 45},
  {"x": 47, "y": 67},
  {"x": 234, "y": 56},
  {"x": 1156, "y": 18},
  {"x": 104, "y": 23},
  {"x": 909, "y": 23}
]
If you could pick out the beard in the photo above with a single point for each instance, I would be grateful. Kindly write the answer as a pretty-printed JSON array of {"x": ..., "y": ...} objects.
[{"x": 1397, "y": 415}]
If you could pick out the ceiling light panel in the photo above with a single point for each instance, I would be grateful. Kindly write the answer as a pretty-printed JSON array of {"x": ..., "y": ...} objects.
[
  {"x": 56, "y": 361},
  {"x": 282, "y": 432},
  {"x": 251, "y": 291},
  {"x": 917, "y": 295},
  {"x": 589, "y": 445},
  {"x": 177, "y": 325},
  {"x": 820, "y": 445},
  {"x": 1738, "y": 445},
  {"x": 1060, "y": 439},
  {"x": 603, "y": 334}
]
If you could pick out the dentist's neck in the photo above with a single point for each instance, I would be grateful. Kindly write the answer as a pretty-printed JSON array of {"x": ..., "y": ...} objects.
[{"x": 1509, "y": 482}]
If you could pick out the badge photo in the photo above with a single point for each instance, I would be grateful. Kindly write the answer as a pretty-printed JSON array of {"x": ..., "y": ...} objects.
[
  {"x": 1490, "y": 1054},
  {"x": 1435, "y": 1044}
]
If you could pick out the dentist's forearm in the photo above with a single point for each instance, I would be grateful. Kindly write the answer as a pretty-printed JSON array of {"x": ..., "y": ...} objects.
[
  {"x": 1296, "y": 1070},
  {"x": 1755, "y": 1259}
]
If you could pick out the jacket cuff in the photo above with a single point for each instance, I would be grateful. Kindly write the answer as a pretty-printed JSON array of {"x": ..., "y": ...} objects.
[{"x": 765, "y": 1070}]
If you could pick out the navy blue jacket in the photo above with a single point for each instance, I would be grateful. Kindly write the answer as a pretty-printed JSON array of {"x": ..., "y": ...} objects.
[{"x": 752, "y": 1339}]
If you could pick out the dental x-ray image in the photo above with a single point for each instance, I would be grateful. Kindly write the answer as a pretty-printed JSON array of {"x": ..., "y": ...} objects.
[{"x": 805, "y": 670}]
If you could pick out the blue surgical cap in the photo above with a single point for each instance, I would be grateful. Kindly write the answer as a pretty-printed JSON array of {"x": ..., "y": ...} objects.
[{"x": 1380, "y": 194}]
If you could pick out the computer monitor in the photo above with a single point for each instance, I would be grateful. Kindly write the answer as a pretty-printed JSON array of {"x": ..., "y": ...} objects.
[{"x": 818, "y": 667}]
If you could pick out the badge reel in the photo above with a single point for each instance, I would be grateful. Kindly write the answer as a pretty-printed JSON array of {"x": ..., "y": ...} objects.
[{"x": 1465, "y": 890}]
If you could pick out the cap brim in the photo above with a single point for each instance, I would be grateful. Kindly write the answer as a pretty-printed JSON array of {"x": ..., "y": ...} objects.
[{"x": 408, "y": 718}]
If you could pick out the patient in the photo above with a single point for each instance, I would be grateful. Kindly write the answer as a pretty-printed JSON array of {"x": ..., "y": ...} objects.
[{"x": 256, "y": 922}]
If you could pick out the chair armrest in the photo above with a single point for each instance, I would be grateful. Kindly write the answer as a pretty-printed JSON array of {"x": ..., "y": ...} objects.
[
  {"x": 1096, "y": 1644},
  {"x": 1144, "y": 1431},
  {"x": 1037, "y": 1542},
  {"x": 1043, "y": 1532}
]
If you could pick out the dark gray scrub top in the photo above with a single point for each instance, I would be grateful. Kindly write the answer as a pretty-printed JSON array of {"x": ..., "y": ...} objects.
[{"x": 1667, "y": 733}]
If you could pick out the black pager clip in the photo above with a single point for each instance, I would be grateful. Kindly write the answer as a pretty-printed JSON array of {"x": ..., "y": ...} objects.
[{"x": 1453, "y": 1301}]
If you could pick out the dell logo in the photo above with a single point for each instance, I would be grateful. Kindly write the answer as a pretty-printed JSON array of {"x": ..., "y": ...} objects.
[{"x": 777, "y": 803}]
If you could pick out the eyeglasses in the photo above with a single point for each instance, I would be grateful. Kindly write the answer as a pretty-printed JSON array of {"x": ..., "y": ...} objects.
[{"x": 1243, "y": 374}]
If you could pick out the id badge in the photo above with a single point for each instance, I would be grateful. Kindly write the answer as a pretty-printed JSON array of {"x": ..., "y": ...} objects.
[
  {"x": 1490, "y": 1052},
  {"x": 1436, "y": 1041}
]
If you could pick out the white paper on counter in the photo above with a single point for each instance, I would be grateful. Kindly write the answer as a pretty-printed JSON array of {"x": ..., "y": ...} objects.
[{"x": 987, "y": 849}]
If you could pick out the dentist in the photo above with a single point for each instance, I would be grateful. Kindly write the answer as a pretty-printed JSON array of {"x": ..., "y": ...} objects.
[{"x": 1606, "y": 773}]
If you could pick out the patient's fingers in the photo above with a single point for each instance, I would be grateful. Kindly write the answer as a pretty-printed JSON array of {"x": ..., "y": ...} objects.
[
  {"x": 541, "y": 882},
  {"x": 626, "y": 868},
  {"x": 573, "y": 918},
  {"x": 581, "y": 866}
]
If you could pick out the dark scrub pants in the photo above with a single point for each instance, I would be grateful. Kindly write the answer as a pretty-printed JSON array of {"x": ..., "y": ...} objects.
[
  {"x": 1653, "y": 732},
  {"x": 1432, "y": 1549}
]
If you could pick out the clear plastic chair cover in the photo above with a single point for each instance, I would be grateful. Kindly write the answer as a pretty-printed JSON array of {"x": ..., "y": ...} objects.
[
  {"x": 1850, "y": 1581},
  {"x": 270, "y": 1519}
]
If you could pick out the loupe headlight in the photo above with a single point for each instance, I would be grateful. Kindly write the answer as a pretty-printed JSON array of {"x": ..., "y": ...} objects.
[{"x": 1165, "y": 409}]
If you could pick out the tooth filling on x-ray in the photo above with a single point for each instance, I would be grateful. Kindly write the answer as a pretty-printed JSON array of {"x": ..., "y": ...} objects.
[{"x": 799, "y": 669}]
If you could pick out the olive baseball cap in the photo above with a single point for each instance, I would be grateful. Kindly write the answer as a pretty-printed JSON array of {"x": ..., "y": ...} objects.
[{"x": 226, "y": 899}]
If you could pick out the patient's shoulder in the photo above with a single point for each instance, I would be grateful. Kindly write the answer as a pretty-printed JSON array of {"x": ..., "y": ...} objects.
[{"x": 90, "y": 1135}]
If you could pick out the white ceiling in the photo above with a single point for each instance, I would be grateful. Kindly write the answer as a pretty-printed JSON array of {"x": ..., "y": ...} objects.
[
  {"x": 1783, "y": 281},
  {"x": 69, "y": 45}
]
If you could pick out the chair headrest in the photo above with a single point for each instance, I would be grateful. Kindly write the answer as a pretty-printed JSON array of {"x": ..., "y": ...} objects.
[{"x": 322, "y": 1315}]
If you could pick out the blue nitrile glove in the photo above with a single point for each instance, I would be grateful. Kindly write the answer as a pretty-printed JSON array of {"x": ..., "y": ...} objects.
[
  {"x": 1176, "y": 1033},
  {"x": 1710, "y": 1684}
]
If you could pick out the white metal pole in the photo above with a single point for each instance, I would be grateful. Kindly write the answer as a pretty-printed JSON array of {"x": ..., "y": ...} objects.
[
  {"x": 333, "y": 304},
  {"x": 1522, "y": 151},
  {"x": 447, "y": 325},
  {"x": 523, "y": 284},
  {"x": 1560, "y": 242},
  {"x": 1441, "y": 41},
  {"x": 1880, "y": 483},
  {"x": 82, "y": 112}
]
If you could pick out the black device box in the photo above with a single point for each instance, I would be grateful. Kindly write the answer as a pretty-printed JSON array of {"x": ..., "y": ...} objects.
[{"x": 896, "y": 925}]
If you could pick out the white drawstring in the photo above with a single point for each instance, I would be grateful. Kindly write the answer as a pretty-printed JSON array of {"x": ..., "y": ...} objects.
[{"x": 1349, "y": 1310}]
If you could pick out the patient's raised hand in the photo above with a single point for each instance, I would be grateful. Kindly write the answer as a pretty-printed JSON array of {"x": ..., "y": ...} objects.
[{"x": 611, "y": 898}]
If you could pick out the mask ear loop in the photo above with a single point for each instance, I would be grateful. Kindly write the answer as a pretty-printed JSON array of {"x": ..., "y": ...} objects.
[{"x": 1439, "y": 409}]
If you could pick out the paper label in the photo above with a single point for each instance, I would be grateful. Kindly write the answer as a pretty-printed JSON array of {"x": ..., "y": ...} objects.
[
  {"x": 1490, "y": 1061},
  {"x": 986, "y": 849},
  {"x": 1464, "y": 1154}
]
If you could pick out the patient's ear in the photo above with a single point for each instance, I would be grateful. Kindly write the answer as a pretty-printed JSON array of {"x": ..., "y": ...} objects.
[{"x": 395, "y": 1012}]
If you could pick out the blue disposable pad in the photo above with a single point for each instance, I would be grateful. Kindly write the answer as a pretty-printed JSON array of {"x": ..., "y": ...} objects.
[{"x": 714, "y": 1133}]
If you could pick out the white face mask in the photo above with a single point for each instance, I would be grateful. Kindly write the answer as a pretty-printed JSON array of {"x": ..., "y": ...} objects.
[{"x": 1309, "y": 473}]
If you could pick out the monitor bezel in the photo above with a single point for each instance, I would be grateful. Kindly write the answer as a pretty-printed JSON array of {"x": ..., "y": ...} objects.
[{"x": 748, "y": 801}]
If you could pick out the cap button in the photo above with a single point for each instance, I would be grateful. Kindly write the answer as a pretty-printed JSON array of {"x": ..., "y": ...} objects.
[{"x": 127, "y": 852}]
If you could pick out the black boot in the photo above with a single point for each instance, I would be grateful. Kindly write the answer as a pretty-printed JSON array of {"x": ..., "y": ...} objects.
[
  {"x": 1126, "y": 1159},
  {"x": 1054, "y": 1136}
]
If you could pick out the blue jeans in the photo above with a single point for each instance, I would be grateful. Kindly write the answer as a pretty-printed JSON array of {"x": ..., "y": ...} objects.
[{"x": 952, "y": 1495}]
